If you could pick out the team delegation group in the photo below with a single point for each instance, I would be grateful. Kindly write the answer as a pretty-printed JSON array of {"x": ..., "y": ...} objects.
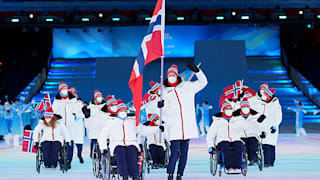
[{"x": 246, "y": 117}]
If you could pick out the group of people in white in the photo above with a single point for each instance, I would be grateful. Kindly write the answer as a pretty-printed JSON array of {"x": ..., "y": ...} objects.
[{"x": 245, "y": 118}]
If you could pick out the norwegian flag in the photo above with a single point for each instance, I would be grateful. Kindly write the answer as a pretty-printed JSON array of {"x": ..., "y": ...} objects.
[
  {"x": 233, "y": 91},
  {"x": 151, "y": 49},
  {"x": 44, "y": 104},
  {"x": 27, "y": 143}
]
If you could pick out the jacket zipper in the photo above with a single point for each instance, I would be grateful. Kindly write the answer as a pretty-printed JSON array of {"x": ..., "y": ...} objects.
[
  {"x": 52, "y": 135},
  {"x": 229, "y": 132},
  {"x": 180, "y": 114},
  {"x": 124, "y": 134},
  {"x": 65, "y": 115}
]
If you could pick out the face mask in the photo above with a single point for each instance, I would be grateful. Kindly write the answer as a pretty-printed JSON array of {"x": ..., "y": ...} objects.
[
  {"x": 99, "y": 99},
  {"x": 228, "y": 112},
  {"x": 64, "y": 92},
  {"x": 245, "y": 110},
  {"x": 122, "y": 115},
  {"x": 113, "y": 108},
  {"x": 47, "y": 120},
  {"x": 172, "y": 79},
  {"x": 261, "y": 92},
  {"x": 264, "y": 97}
]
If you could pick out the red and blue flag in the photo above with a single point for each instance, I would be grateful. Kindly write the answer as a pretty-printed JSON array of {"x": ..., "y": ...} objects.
[{"x": 151, "y": 49}]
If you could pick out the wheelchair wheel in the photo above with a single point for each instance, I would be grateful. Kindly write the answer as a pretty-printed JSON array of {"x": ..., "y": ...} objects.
[
  {"x": 260, "y": 157},
  {"x": 213, "y": 164},
  {"x": 167, "y": 155},
  {"x": 105, "y": 162},
  {"x": 64, "y": 159},
  {"x": 38, "y": 160},
  {"x": 96, "y": 157},
  {"x": 244, "y": 166},
  {"x": 142, "y": 165}
]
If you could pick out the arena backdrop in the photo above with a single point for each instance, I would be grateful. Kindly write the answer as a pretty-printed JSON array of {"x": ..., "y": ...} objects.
[{"x": 123, "y": 41}]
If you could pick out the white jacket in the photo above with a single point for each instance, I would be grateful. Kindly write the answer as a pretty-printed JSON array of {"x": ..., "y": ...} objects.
[
  {"x": 123, "y": 133},
  {"x": 179, "y": 108},
  {"x": 65, "y": 108},
  {"x": 152, "y": 107},
  {"x": 59, "y": 133},
  {"x": 155, "y": 139},
  {"x": 272, "y": 111},
  {"x": 251, "y": 125},
  {"x": 95, "y": 117},
  {"x": 77, "y": 128},
  {"x": 224, "y": 130}
]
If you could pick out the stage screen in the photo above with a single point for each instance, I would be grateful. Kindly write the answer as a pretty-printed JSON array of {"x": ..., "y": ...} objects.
[{"x": 124, "y": 41}]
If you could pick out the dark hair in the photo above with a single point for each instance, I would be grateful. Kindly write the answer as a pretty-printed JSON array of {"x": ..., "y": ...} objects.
[
  {"x": 299, "y": 103},
  {"x": 205, "y": 102}
]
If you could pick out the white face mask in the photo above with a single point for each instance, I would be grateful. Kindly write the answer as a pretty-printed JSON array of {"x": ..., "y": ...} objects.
[
  {"x": 172, "y": 79},
  {"x": 261, "y": 92},
  {"x": 64, "y": 92},
  {"x": 99, "y": 99},
  {"x": 47, "y": 120},
  {"x": 122, "y": 115},
  {"x": 245, "y": 110},
  {"x": 264, "y": 97},
  {"x": 228, "y": 112},
  {"x": 113, "y": 108}
]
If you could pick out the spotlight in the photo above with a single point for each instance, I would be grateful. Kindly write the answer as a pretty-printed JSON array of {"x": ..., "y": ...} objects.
[
  {"x": 219, "y": 18},
  {"x": 309, "y": 26},
  {"x": 245, "y": 17},
  {"x": 318, "y": 16},
  {"x": 148, "y": 18},
  {"x": 48, "y": 19},
  {"x": 282, "y": 17},
  {"x": 100, "y": 15},
  {"x": 115, "y": 19},
  {"x": 31, "y": 16},
  {"x": 85, "y": 19},
  {"x": 233, "y": 13},
  {"x": 180, "y": 18},
  {"x": 300, "y": 12},
  {"x": 15, "y": 20}
]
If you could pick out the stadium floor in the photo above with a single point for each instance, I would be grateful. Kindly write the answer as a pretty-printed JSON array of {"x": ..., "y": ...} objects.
[{"x": 297, "y": 158}]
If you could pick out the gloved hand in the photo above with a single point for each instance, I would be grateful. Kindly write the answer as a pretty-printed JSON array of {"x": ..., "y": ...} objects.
[
  {"x": 212, "y": 150},
  {"x": 147, "y": 123},
  {"x": 160, "y": 104},
  {"x": 161, "y": 128},
  {"x": 68, "y": 144},
  {"x": 261, "y": 118},
  {"x": 273, "y": 129},
  {"x": 36, "y": 145},
  {"x": 263, "y": 135},
  {"x": 104, "y": 152},
  {"x": 86, "y": 111},
  {"x": 192, "y": 67}
]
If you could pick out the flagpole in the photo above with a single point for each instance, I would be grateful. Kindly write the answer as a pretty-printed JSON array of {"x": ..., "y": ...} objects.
[{"x": 162, "y": 62}]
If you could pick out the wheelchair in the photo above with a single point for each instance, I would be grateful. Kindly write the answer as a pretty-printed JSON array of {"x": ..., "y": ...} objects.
[
  {"x": 260, "y": 155},
  {"x": 96, "y": 157},
  {"x": 148, "y": 157},
  {"x": 217, "y": 159},
  {"x": 62, "y": 158},
  {"x": 107, "y": 168}
]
